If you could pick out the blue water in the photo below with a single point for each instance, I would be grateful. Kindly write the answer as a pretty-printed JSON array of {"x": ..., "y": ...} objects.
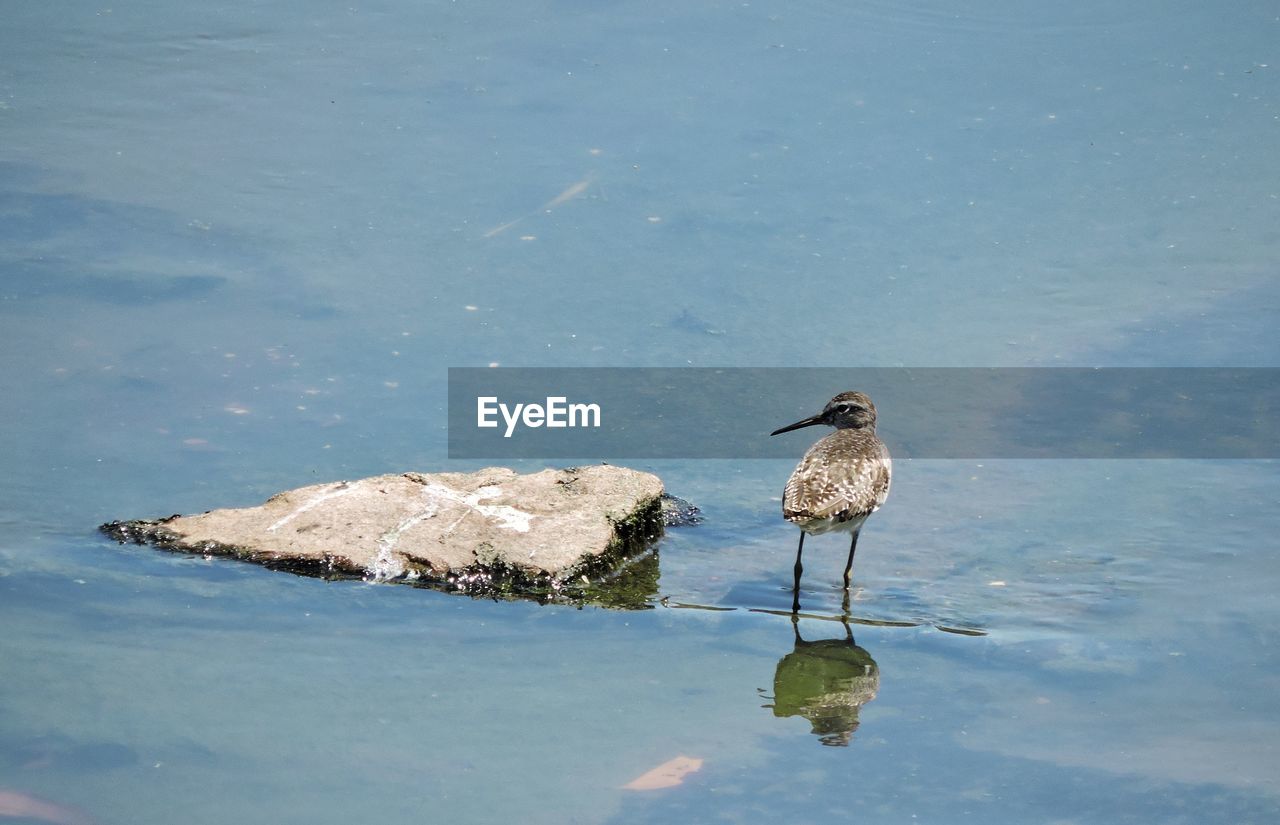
[{"x": 240, "y": 245}]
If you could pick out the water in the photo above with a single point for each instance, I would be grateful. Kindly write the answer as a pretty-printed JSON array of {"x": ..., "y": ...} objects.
[{"x": 241, "y": 245}]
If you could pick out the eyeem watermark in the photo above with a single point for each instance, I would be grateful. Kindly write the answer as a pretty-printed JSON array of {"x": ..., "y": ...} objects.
[
  {"x": 557, "y": 412},
  {"x": 965, "y": 413}
]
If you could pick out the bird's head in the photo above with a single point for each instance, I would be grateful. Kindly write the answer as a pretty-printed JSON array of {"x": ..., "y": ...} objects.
[{"x": 847, "y": 411}]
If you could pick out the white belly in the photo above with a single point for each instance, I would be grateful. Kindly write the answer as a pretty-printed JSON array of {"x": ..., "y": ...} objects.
[{"x": 818, "y": 526}]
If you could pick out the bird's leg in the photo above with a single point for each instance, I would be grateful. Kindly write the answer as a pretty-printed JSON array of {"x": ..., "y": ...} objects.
[
  {"x": 799, "y": 569},
  {"x": 848, "y": 567}
]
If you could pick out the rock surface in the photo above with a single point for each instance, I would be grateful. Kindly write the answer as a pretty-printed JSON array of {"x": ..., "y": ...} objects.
[{"x": 493, "y": 530}]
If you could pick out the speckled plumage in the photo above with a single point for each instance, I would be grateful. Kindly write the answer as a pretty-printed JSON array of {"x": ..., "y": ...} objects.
[{"x": 841, "y": 480}]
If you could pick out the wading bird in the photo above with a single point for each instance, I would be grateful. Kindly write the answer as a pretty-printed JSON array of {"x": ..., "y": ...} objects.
[{"x": 841, "y": 480}]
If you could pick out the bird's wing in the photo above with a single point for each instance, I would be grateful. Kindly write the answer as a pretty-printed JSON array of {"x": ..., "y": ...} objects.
[{"x": 824, "y": 486}]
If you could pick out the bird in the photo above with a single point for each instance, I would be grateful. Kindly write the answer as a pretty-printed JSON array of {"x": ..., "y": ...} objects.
[{"x": 842, "y": 479}]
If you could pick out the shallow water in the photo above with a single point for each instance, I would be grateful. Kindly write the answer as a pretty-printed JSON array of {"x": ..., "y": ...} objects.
[{"x": 241, "y": 245}]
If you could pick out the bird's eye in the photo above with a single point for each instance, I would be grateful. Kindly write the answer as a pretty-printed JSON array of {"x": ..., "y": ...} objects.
[{"x": 844, "y": 408}]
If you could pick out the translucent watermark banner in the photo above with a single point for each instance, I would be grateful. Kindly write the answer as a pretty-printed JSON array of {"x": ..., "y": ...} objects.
[{"x": 659, "y": 413}]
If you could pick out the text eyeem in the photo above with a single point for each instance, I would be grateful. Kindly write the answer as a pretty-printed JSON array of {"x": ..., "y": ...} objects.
[{"x": 557, "y": 412}]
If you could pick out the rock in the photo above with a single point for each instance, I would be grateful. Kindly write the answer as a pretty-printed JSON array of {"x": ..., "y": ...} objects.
[
  {"x": 676, "y": 512},
  {"x": 494, "y": 531}
]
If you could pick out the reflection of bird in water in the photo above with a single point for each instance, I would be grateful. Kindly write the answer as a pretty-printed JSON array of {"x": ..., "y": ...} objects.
[
  {"x": 826, "y": 682},
  {"x": 841, "y": 480}
]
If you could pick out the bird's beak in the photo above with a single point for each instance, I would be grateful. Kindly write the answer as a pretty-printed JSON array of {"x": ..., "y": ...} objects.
[{"x": 808, "y": 422}]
